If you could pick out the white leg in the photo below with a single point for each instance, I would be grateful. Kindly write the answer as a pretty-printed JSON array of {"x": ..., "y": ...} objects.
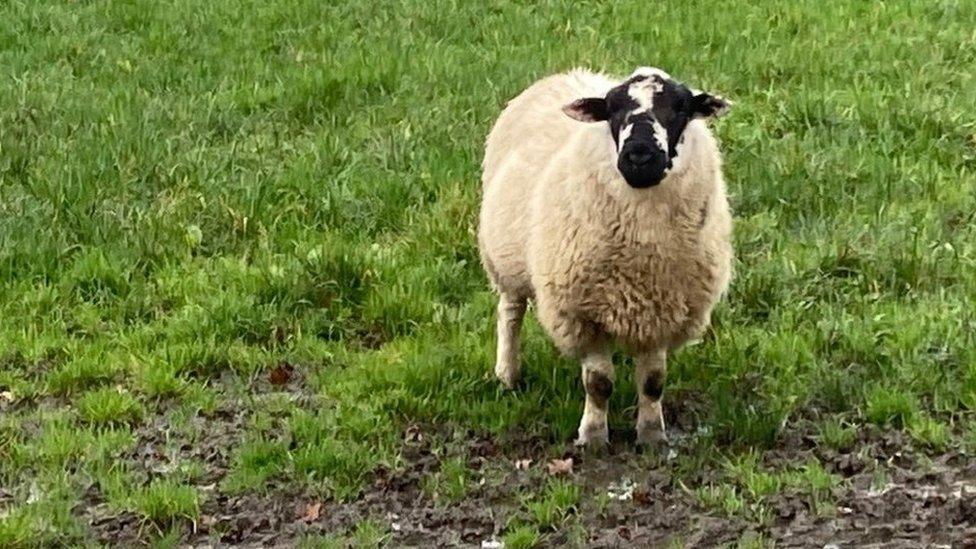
[
  {"x": 598, "y": 383},
  {"x": 510, "y": 314},
  {"x": 650, "y": 375}
]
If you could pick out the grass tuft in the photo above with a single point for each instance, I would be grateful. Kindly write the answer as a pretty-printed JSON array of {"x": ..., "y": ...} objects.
[
  {"x": 109, "y": 406},
  {"x": 164, "y": 501}
]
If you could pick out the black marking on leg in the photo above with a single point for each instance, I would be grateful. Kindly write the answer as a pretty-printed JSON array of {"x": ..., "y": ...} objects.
[
  {"x": 599, "y": 388},
  {"x": 654, "y": 385}
]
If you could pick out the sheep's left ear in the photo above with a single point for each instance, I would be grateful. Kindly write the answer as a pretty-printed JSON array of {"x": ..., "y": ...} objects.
[
  {"x": 704, "y": 105},
  {"x": 588, "y": 109}
]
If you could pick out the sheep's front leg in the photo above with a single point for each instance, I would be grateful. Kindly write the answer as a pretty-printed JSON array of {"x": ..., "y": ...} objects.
[
  {"x": 650, "y": 375},
  {"x": 598, "y": 383},
  {"x": 511, "y": 310}
]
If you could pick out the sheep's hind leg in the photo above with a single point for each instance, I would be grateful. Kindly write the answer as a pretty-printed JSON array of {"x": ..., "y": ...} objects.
[
  {"x": 598, "y": 383},
  {"x": 650, "y": 375},
  {"x": 510, "y": 313}
]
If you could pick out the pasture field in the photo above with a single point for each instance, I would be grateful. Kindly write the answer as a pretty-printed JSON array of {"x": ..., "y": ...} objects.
[{"x": 241, "y": 301}]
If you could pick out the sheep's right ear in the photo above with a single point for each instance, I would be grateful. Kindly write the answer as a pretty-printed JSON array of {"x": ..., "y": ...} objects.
[
  {"x": 588, "y": 109},
  {"x": 705, "y": 105}
]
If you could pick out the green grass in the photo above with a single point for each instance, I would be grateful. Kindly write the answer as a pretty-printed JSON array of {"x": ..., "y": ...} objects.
[
  {"x": 450, "y": 484},
  {"x": 837, "y": 434},
  {"x": 746, "y": 486},
  {"x": 192, "y": 193},
  {"x": 108, "y": 406},
  {"x": 164, "y": 501},
  {"x": 548, "y": 509},
  {"x": 522, "y": 537}
]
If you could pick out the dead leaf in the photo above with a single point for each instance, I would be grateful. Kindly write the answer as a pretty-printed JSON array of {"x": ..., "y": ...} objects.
[
  {"x": 312, "y": 511},
  {"x": 560, "y": 466},
  {"x": 641, "y": 496},
  {"x": 522, "y": 464},
  {"x": 281, "y": 374}
]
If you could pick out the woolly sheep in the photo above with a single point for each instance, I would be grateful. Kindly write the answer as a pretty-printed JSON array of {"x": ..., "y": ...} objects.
[{"x": 604, "y": 203}]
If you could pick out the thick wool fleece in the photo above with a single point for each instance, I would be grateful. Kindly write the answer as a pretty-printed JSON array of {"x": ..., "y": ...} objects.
[{"x": 603, "y": 261}]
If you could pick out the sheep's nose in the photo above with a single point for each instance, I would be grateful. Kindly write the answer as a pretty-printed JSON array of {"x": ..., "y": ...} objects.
[{"x": 639, "y": 157}]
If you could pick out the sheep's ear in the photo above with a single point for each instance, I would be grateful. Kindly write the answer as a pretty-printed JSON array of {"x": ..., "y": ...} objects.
[
  {"x": 588, "y": 109},
  {"x": 705, "y": 105}
]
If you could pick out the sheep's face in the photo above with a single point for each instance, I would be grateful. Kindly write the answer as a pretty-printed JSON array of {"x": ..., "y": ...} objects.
[{"x": 647, "y": 114}]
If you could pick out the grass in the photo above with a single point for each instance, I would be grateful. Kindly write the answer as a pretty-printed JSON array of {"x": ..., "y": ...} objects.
[
  {"x": 747, "y": 486},
  {"x": 107, "y": 406},
  {"x": 192, "y": 193},
  {"x": 367, "y": 534},
  {"x": 450, "y": 484},
  {"x": 838, "y": 435},
  {"x": 522, "y": 537},
  {"x": 164, "y": 501},
  {"x": 548, "y": 509}
]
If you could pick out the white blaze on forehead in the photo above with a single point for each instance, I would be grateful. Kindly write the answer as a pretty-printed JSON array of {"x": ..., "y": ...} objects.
[{"x": 643, "y": 91}]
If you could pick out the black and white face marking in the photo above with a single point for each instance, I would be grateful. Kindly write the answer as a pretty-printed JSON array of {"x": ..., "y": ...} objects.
[{"x": 647, "y": 114}]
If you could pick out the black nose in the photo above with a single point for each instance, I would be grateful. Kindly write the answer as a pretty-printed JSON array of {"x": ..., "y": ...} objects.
[{"x": 639, "y": 157}]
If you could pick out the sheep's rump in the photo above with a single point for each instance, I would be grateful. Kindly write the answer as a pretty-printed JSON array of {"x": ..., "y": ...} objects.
[{"x": 525, "y": 138}]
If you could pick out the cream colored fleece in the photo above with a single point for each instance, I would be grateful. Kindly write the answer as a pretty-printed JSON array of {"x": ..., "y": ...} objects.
[{"x": 604, "y": 262}]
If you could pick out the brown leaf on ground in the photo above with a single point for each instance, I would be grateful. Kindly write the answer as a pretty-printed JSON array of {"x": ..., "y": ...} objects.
[
  {"x": 312, "y": 511},
  {"x": 522, "y": 464},
  {"x": 281, "y": 374},
  {"x": 641, "y": 496},
  {"x": 560, "y": 466}
]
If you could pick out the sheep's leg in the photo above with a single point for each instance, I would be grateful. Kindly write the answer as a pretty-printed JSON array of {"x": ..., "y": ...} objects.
[
  {"x": 650, "y": 376},
  {"x": 598, "y": 383},
  {"x": 510, "y": 313}
]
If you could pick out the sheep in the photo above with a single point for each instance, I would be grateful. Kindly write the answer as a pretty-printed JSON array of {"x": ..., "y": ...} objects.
[{"x": 604, "y": 203}]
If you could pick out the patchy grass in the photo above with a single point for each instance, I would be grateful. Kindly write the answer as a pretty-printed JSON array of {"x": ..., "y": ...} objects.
[
  {"x": 193, "y": 194},
  {"x": 450, "y": 484},
  {"x": 548, "y": 509},
  {"x": 747, "y": 487},
  {"x": 108, "y": 407},
  {"x": 522, "y": 537},
  {"x": 164, "y": 501},
  {"x": 930, "y": 432},
  {"x": 838, "y": 434}
]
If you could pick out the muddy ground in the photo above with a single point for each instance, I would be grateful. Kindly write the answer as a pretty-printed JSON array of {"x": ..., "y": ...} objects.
[{"x": 924, "y": 501}]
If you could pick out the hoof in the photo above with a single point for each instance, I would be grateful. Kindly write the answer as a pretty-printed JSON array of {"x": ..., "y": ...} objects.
[
  {"x": 593, "y": 437},
  {"x": 654, "y": 436}
]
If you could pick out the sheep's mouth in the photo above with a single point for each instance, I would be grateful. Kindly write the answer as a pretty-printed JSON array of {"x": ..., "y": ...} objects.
[{"x": 641, "y": 175}]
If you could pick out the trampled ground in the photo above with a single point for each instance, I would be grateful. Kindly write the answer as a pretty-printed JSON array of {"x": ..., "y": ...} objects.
[{"x": 240, "y": 299}]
